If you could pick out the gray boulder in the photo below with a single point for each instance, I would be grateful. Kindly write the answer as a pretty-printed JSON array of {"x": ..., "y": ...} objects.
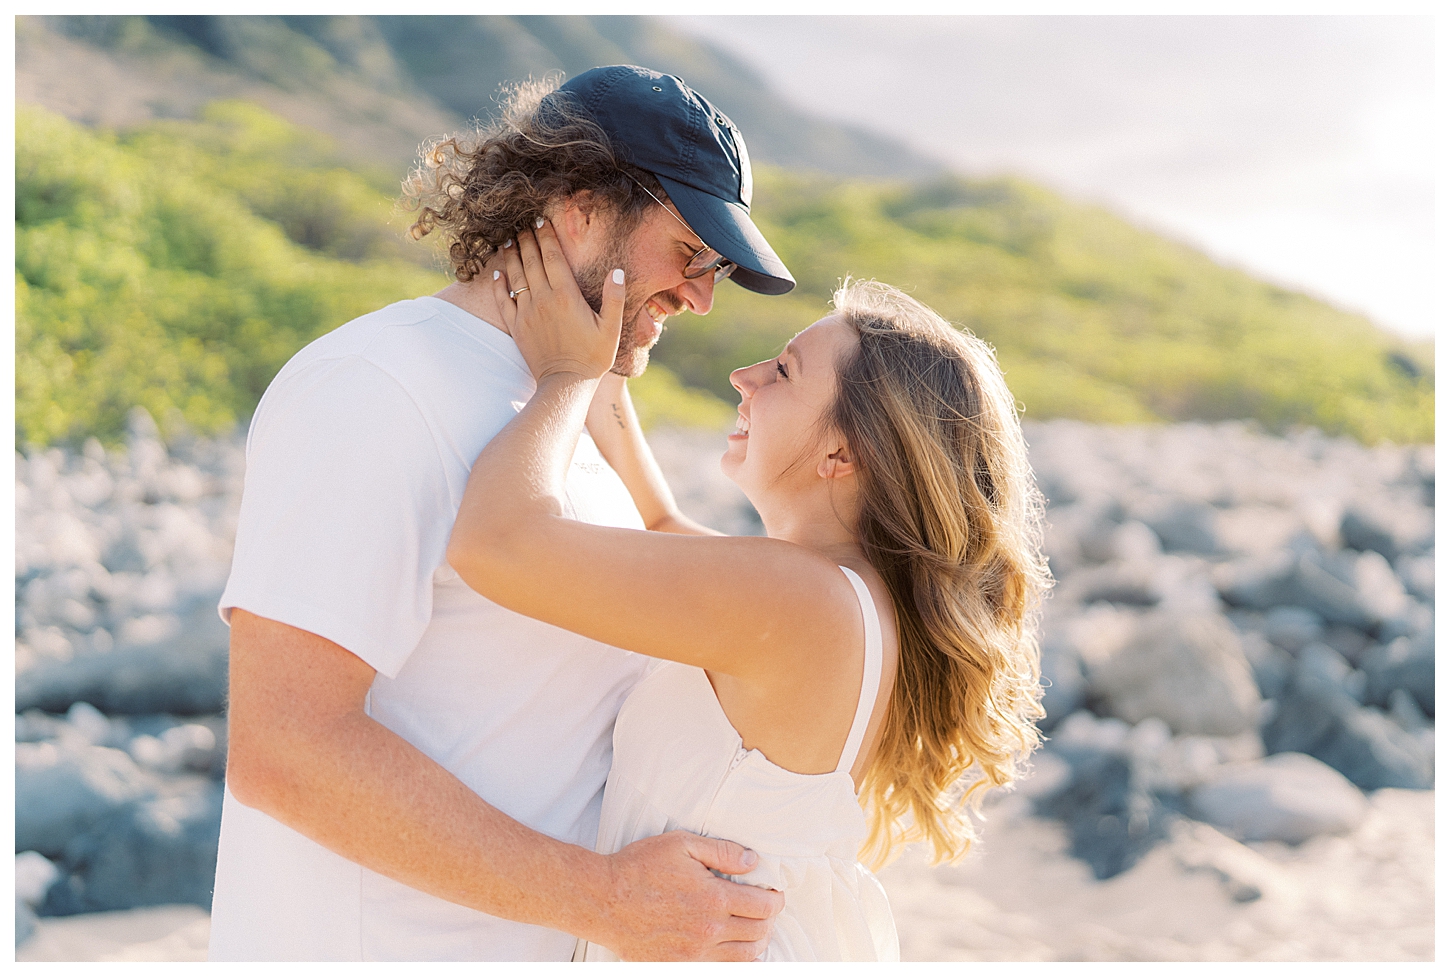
[
  {"x": 34, "y": 726},
  {"x": 1184, "y": 762},
  {"x": 1405, "y": 663},
  {"x": 1125, "y": 583},
  {"x": 1350, "y": 642},
  {"x": 1417, "y": 573},
  {"x": 1291, "y": 628},
  {"x": 1380, "y": 589},
  {"x": 1258, "y": 528},
  {"x": 1324, "y": 662},
  {"x": 1189, "y": 670},
  {"x": 1406, "y": 713},
  {"x": 1258, "y": 582},
  {"x": 1131, "y": 540},
  {"x": 1373, "y": 752},
  {"x": 155, "y": 852},
  {"x": 1186, "y": 526},
  {"x": 1287, "y": 797},
  {"x": 1318, "y": 588},
  {"x": 34, "y": 875},
  {"x": 1413, "y": 618},
  {"x": 1319, "y": 717},
  {"x": 1271, "y": 664},
  {"x": 184, "y": 673},
  {"x": 1186, "y": 583},
  {"x": 1112, "y": 818},
  {"x": 1388, "y": 527},
  {"x": 1338, "y": 590},
  {"x": 181, "y": 747},
  {"x": 63, "y": 789}
]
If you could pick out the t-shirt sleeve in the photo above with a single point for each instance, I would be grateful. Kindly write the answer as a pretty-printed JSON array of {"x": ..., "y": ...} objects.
[{"x": 345, "y": 514}]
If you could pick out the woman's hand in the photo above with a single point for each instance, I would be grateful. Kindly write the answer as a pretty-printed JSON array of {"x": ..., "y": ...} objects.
[{"x": 545, "y": 313}]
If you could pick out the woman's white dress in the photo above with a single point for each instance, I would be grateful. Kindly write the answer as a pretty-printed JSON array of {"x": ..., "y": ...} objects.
[{"x": 679, "y": 764}]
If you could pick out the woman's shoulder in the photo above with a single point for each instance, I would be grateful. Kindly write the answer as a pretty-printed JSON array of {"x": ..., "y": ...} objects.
[
  {"x": 797, "y": 579},
  {"x": 877, "y": 592}
]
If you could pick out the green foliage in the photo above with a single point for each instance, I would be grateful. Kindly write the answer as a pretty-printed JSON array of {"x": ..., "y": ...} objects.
[
  {"x": 1091, "y": 317},
  {"x": 180, "y": 266},
  {"x": 660, "y": 399}
]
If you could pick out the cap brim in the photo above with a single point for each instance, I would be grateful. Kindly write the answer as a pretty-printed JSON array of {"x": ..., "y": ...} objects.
[{"x": 726, "y": 226}]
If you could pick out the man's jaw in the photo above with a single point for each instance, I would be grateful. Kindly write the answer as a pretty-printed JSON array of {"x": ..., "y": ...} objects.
[{"x": 641, "y": 330}]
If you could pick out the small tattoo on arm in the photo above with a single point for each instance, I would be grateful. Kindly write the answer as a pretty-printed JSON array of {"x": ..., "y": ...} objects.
[{"x": 618, "y": 417}]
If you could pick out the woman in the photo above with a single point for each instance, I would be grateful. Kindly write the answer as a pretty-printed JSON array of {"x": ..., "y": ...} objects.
[{"x": 876, "y": 643}]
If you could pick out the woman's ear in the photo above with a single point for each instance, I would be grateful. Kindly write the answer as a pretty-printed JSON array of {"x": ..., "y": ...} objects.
[{"x": 837, "y": 464}]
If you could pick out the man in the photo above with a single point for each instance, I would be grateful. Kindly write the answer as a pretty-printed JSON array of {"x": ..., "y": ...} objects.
[{"x": 414, "y": 772}]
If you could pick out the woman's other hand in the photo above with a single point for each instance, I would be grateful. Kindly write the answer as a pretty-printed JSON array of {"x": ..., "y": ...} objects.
[{"x": 545, "y": 313}]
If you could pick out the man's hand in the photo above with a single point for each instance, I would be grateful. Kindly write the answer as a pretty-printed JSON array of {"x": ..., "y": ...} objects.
[{"x": 666, "y": 904}]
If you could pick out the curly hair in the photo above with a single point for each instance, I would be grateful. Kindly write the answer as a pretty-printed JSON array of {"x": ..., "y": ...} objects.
[
  {"x": 481, "y": 188},
  {"x": 951, "y": 517}
]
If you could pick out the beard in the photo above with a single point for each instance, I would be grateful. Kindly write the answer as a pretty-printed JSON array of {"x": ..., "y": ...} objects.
[{"x": 631, "y": 358}]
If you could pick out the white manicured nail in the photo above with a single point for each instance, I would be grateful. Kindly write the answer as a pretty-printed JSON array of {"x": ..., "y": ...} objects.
[
  {"x": 538, "y": 222},
  {"x": 509, "y": 243},
  {"x": 619, "y": 276}
]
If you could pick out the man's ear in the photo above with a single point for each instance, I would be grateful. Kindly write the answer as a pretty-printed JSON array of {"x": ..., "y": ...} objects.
[
  {"x": 838, "y": 464},
  {"x": 578, "y": 216}
]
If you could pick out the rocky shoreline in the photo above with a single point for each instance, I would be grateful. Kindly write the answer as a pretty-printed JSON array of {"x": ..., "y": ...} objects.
[{"x": 1240, "y": 641}]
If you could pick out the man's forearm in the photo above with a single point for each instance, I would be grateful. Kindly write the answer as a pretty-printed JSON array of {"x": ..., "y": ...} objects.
[
  {"x": 614, "y": 426},
  {"x": 365, "y": 793},
  {"x": 678, "y": 522},
  {"x": 303, "y": 750}
]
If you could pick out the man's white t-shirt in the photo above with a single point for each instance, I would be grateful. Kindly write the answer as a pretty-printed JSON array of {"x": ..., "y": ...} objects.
[{"x": 356, "y": 463}]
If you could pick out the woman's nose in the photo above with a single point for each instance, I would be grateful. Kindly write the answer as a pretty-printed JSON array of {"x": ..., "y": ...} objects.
[
  {"x": 739, "y": 380},
  {"x": 747, "y": 379}
]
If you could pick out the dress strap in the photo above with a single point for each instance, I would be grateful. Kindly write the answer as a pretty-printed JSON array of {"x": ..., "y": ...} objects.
[{"x": 870, "y": 673}]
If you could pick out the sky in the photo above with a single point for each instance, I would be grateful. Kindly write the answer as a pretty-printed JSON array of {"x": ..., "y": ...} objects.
[{"x": 1300, "y": 148}]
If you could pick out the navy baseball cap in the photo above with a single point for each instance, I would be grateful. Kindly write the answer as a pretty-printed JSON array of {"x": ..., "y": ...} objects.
[{"x": 658, "y": 123}]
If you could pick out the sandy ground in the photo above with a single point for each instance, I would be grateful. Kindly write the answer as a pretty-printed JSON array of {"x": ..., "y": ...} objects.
[
  {"x": 156, "y": 933},
  {"x": 1364, "y": 896}
]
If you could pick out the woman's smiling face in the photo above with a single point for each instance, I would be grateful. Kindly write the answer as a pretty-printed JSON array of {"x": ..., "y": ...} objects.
[{"x": 781, "y": 403}]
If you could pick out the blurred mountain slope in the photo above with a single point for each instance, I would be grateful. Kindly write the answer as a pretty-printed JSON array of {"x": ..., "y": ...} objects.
[
  {"x": 382, "y": 85},
  {"x": 1091, "y": 317}
]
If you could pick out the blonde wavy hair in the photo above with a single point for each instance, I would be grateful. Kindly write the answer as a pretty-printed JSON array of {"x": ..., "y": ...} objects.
[{"x": 951, "y": 517}]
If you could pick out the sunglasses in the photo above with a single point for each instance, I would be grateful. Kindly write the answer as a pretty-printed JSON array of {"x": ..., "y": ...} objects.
[{"x": 704, "y": 261}]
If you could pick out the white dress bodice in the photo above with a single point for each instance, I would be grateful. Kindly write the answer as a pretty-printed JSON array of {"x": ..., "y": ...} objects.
[{"x": 680, "y": 764}]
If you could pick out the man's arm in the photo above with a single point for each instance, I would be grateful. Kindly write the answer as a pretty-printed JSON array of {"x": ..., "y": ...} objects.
[{"x": 302, "y": 750}]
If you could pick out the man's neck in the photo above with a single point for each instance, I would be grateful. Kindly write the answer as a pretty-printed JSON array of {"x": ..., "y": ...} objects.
[{"x": 476, "y": 298}]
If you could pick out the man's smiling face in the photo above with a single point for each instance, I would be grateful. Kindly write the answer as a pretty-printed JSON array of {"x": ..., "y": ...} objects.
[{"x": 653, "y": 257}]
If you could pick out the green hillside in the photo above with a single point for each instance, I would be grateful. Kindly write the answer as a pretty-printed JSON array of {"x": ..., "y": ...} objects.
[
  {"x": 1091, "y": 317},
  {"x": 178, "y": 266}
]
